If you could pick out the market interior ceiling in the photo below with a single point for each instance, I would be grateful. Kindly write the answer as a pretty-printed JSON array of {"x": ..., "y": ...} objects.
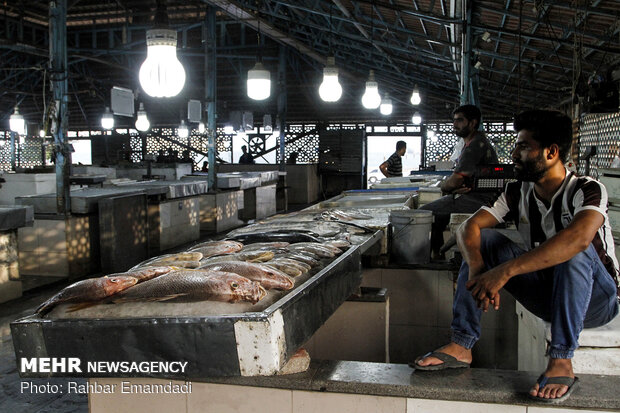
[{"x": 525, "y": 54}]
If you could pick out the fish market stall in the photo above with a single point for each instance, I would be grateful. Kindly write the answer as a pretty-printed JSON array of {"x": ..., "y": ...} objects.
[
  {"x": 214, "y": 338},
  {"x": 173, "y": 211},
  {"x": 11, "y": 219}
]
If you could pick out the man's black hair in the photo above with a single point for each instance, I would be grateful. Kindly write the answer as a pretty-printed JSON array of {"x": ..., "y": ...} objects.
[
  {"x": 470, "y": 112},
  {"x": 400, "y": 145},
  {"x": 547, "y": 127}
]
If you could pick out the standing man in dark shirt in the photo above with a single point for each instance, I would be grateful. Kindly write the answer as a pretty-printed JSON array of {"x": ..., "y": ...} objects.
[
  {"x": 459, "y": 199},
  {"x": 394, "y": 164},
  {"x": 246, "y": 158}
]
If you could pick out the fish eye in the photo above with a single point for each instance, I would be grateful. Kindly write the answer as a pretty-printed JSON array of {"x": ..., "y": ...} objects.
[
  {"x": 114, "y": 280},
  {"x": 234, "y": 285}
]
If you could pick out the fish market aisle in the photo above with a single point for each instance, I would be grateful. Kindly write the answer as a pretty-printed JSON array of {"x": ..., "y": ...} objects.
[{"x": 31, "y": 400}]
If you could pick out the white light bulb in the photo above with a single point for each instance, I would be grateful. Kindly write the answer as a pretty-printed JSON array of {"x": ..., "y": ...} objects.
[
  {"x": 201, "y": 127},
  {"x": 161, "y": 74},
  {"x": 415, "y": 96},
  {"x": 107, "y": 119},
  {"x": 386, "y": 105},
  {"x": 17, "y": 122},
  {"x": 229, "y": 130},
  {"x": 182, "y": 130},
  {"x": 371, "y": 98},
  {"x": 259, "y": 82},
  {"x": 142, "y": 121},
  {"x": 416, "y": 119},
  {"x": 330, "y": 90}
]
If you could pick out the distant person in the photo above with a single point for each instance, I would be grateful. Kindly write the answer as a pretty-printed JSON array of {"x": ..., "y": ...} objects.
[
  {"x": 394, "y": 164},
  {"x": 246, "y": 158},
  {"x": 205, "y": 166},
  {"x": 292, "y": 158},
  {"x": 477, "y": 151}
]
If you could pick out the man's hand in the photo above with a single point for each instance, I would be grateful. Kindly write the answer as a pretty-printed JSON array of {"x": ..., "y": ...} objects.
[{"x": 485, "y": 287}]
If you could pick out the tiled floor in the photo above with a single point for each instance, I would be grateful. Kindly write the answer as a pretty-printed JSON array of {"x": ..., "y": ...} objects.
[{"x": 12, "y": 398}]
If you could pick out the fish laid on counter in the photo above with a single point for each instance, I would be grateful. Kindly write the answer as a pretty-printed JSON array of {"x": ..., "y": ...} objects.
[
  {"x": 293, "y": 271},
  {"x": 324, "y": 245},
  {"x": 146, "y": 273},
  {"x": 314, "y": 228},
  {"x": 347, "y": 215},
  {"x": 263, "y": 245},
  {"x": 249, "y": 256},
  {"x": 169, "y": 259},
  {"x": 195, "y": 285},
  {"x": 274, "y": 236},
  {"x": 300, "y": 256},
  {"x": 315, "y": 248},
  {"x": 178, "y": 264},
  {"x": 90, "y": 290},
  {"x": 213, "y": 248},
  {"x": 338, "y": 243},
  {"x": 268, "y": 277},
  {"x": 282, "y": 263}
]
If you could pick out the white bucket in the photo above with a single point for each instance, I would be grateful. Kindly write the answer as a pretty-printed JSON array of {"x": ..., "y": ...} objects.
[{"x": 411, "y": 236}]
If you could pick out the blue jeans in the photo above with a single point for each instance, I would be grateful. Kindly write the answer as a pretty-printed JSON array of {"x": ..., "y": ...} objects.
[{"x": 575, "y": 294}]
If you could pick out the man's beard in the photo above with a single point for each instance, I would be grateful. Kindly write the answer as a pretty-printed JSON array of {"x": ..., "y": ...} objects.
[
  {"x": 463, "y": 133},
  {"x": 531, "y": 170}
]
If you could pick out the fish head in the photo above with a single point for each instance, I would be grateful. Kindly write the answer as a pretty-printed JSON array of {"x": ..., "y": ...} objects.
[
  {"x": 242, "y": 289},
  {"x": 276, "y": 279},
  {"x": 115, "y": 284}
]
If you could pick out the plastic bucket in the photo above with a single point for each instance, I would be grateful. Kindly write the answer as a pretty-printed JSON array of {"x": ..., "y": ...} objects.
[{"x": 411, "y": 236}]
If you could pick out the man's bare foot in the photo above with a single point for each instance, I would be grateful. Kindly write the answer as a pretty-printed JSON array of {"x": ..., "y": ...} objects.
[
  {"x": 555, "y": 368},
  {"x": 458, "y": 352}
]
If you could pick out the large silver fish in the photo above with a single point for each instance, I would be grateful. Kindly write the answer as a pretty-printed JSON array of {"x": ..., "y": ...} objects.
[
  {"x": 170, "y": 259},
  {"x": 318, "y": 249},
  {"x": 195, "y": 285},
  {"x": 268, "y": 277},
  {"x": 265, "y": 245},
  {"x": 213, "y": 248},
  {"x": 249, "y": 256},
  {"x": 88, "y": 291}
]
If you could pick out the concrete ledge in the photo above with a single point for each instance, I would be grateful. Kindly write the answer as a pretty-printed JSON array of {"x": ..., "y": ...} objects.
[{"x": 468, "y": 385}]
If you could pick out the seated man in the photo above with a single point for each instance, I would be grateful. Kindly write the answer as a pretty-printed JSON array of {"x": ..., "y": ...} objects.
[
  {"x": 568, "y": 275},
  {"x": 476, "y": 151}
]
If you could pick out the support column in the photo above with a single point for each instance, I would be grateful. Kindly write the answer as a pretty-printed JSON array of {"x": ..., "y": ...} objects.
[
  {"x": 58, "y": 63},
  {"x": 466, "y": 69},
  {"x": 210, "y": 91},
  {"x": 282, "y": 104},
  {"x": 14, "y": 139}
]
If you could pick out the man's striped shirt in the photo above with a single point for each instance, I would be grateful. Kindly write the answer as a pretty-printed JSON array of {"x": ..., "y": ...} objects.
[{"x": 536, "y": 223}]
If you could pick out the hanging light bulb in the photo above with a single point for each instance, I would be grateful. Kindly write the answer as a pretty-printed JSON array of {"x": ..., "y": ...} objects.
[
  {"x": 416, "y": 119},
  {"x": 142, "y": 121},
  {"x": 107, "y": 119},
  {"x": 330, "y": 90},
  {"x": 41, "y": 133},
  {"x": 259, "y": 82},
  {"x": 371, "y": 98},
  {"x": 415, "y": 96},
  {"x": 386, "y": 105},
  {"x": 182, "y": 130},
  {"x": 17, "y": 122},
  {"x": 201, "y": 127},
  {"x": 161, "y": 74}
]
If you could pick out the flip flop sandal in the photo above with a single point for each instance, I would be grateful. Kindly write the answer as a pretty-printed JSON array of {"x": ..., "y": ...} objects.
[
  {"x": 543, "y": 380},
  {"x": 449, "y": 362}
]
